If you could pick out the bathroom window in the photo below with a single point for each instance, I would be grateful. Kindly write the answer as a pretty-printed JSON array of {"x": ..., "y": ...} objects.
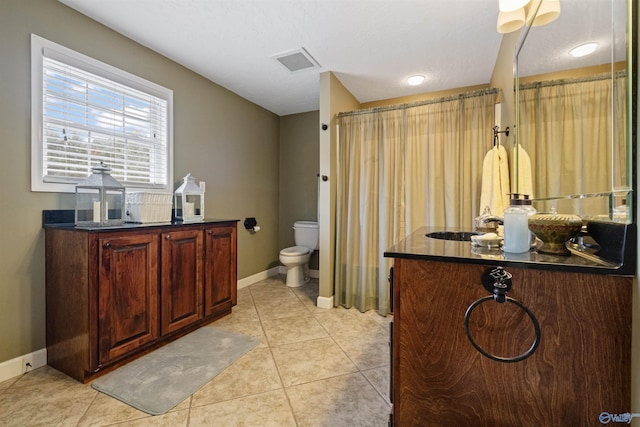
[{"x": 84, "y": 112}]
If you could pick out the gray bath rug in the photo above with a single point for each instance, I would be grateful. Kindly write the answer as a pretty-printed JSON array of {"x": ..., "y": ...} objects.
[{"x": 158, "y": 381}]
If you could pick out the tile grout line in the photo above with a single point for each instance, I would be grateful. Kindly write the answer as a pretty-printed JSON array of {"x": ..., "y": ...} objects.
[
  {"x": 273, "y": 359},
  {"x": 253, "y": 296},
  {"x": 359, "y": 371},
  {"x": 86, "y": 410}
]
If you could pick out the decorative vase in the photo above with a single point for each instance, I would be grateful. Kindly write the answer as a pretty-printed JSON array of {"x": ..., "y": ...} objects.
[{"x": 554, "y": 230}]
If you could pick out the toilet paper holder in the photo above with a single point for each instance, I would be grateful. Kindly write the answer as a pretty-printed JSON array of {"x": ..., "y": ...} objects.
[{"x": 251, "y": 224}]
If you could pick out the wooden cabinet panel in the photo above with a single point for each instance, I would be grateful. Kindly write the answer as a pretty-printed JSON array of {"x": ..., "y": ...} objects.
[
  {"x": 112, "y": 294},
  {"x": 580, "y": 369},
  {"x": 127, "y": 294},
  {"x": 69, "y": 345},
  {"x": 220, "y": 271},
  {"x": 181, "y": 282}
]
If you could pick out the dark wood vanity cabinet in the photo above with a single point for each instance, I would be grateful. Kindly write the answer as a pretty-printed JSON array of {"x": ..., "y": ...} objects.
[
  {"x": 580, "y": 369},
  {"x": 112, "y": 294}
]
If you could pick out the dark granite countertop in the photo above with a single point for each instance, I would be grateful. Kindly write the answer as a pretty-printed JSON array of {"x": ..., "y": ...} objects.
[
  {"x": 132, "y": 225},
  {"x": 419, "y": 246},
  {"x": 65, "y": 218}
]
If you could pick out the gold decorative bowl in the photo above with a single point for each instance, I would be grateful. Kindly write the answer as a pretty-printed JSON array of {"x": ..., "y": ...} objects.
[{"x": 554, "y": 230}]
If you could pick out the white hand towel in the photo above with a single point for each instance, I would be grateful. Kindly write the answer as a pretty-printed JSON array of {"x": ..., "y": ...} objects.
[
  {"x": 495, "y": 181},
  {"x": 522, "y": 173}
]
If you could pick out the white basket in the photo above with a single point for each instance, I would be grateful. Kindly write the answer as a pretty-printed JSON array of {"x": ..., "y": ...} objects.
[{"x": 148, "y": 207}]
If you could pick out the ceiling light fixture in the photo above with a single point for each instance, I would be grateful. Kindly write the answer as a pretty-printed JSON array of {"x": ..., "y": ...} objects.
[
  {"x": 509, "y": 22},
  {"x": 511, "y": 5},
  {"x": 416, "y": 80},
  {"x": 583, "y": 49},
  {"x": 512, "y": 18},
  {"x": 548, "y": 12}
]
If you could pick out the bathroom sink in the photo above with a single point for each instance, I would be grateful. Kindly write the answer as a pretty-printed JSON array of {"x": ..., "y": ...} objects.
[{"x": 460, "y": 236}]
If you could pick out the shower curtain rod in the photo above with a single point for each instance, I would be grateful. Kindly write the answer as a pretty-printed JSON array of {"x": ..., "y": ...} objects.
[
  {"x": 475, "y": 93},
  {"x": 560, "y": 82}
]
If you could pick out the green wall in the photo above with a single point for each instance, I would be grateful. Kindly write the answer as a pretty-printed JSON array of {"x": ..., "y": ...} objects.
[
  {"x": 221, "y": 138},
  {"x": 299, "y": 160}
]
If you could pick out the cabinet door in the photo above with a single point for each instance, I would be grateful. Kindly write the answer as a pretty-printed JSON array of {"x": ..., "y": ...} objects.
[
  {"x": 181, "y": 282},
  {"x": 127, "y": 294},
  {"x": 220, "y": 270}
]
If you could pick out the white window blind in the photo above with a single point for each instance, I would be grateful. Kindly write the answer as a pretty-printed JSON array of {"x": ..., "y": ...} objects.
[{"x": 109, "y": 117}]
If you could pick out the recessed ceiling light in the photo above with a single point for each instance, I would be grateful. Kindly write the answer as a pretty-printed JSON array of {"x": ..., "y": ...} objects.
[
  {"x": 583, "y": 49},
  {"x": 416, "y": 80}
]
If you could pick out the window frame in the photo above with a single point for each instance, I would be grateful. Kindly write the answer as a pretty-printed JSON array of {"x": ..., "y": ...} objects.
[{"x": 38, "y": 47}]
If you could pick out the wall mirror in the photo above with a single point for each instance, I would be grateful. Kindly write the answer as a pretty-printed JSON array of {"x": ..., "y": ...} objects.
[{"x": 571, "y": 111}]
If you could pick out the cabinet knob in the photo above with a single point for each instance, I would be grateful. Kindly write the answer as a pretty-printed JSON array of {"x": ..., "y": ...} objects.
[
  {"x": 106, "y": 245},
  {"x": 209, "y": 232},
  {"x": 168, "y": 237}
]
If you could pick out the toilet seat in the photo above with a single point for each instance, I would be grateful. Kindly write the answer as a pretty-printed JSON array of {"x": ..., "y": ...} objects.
[{"x": 294, "y": 251}]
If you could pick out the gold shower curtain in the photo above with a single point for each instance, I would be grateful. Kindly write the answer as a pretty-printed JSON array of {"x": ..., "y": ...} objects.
[
  {"x": 567, "y": 130},
  {"x": 400, "y": 169}
]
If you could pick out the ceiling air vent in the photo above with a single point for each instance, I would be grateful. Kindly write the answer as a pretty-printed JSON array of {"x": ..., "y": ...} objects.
[{"x": 297, "y": 60}]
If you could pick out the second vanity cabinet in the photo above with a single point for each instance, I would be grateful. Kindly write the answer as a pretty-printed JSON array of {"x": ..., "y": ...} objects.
[{"x": 114, "y": 293}]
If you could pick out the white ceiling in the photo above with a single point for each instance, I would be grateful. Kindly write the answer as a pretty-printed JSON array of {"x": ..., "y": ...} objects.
[
  {"x": 372, "y": 46},
  {"x": 601, "y": 21}
]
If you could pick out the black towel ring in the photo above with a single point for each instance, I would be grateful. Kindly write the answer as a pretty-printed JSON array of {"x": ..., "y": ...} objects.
[{"x": 524, "y": 355}]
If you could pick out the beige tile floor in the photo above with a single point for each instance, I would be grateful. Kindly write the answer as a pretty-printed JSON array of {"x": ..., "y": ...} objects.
[{"x": 313, "y": 367}]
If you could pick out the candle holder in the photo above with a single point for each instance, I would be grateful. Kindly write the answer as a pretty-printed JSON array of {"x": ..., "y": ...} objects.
[
  {"x": 99, "y": 199},
  {"x": 189, "y": 201}
]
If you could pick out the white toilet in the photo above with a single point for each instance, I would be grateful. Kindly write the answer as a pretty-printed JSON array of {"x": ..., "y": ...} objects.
[{"x": 296, "y": 258}]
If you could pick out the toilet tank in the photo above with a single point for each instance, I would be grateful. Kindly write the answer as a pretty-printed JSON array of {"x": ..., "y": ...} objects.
[{"x": 305, "y": 233}]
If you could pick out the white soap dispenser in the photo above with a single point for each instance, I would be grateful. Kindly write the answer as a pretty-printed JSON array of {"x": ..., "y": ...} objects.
[{"x": 517, "y": 237}]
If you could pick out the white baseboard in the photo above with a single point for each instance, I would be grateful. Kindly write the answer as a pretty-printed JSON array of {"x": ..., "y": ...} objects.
[
  {"x": 314, "y": 274},
  {"x": 324, "y": 302},
  {"x": 21, "y": 364},
  {"x": 247, "y": 281},
  {"x": 37, "y": 359}
]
